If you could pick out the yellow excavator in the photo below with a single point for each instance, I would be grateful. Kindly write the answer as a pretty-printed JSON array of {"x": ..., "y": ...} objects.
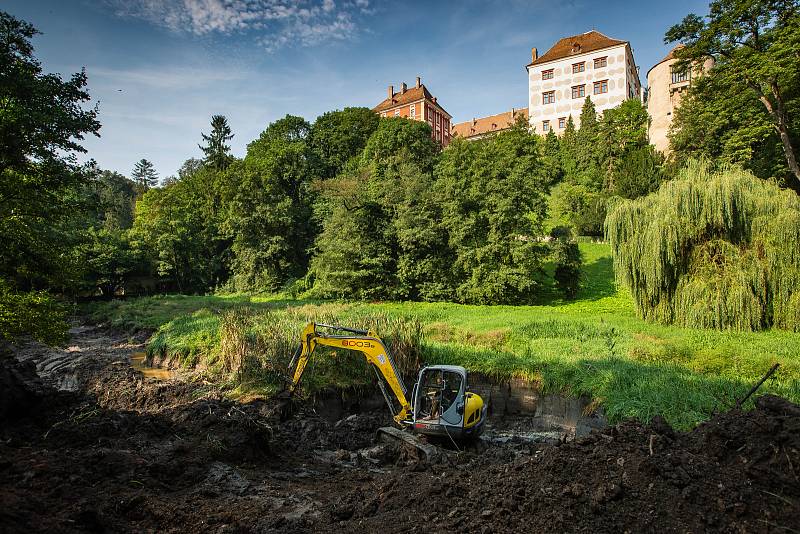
[{"x": 440, "y": 405}]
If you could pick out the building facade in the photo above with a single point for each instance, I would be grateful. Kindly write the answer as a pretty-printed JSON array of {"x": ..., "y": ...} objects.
[
  {"x": 666, "y": 86},
  {"x": 481, "y": 127},
  {"x": 417, "y": 103},
  {"x": 590, "y": 64}
]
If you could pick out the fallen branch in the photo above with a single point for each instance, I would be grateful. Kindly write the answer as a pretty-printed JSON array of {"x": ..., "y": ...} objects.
[{"x": 755, "y": 388}]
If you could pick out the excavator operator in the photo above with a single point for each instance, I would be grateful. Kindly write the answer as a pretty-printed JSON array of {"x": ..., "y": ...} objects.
[
  {"x": 433, "y": 394},
  {"x": 451, "y": 389}
]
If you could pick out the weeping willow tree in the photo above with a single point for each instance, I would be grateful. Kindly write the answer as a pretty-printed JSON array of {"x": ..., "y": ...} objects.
[{"x": 712, "y": 249}]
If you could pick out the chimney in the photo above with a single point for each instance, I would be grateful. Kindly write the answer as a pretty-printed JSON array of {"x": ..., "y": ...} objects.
[
  {"x": 403, "y": 87},
  {"x": 534, "y": 54},
  {"x": 419, "y": 82},
  {"x": 391, "y": 91},
  {"x": 434, "y": 99}
]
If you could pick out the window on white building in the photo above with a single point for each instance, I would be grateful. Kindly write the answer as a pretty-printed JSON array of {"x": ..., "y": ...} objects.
[
  {"x": 600, "y": 62},
  {"x": 547, "y": 74},
  {"x": 601, "y": 87},
  {"x": 545, "y": 126},
  {"x": 578, "y": 67},
  {"x": 549, "y": 97},
  {"x": 578, "y": 91},
  {"x": 562, "y": 122}
]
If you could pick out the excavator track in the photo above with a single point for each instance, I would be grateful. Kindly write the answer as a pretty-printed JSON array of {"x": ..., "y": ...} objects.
[{"x": 425, "y": 450}]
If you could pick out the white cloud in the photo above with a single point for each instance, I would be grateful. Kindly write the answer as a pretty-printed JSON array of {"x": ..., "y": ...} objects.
[{"x": 278, "y": 23}]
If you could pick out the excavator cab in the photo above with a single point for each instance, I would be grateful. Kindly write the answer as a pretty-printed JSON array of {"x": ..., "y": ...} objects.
[{"x": 443, "y": 405}]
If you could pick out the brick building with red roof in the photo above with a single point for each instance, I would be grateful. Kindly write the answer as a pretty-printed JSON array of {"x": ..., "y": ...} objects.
[{"x": 417, "y": 103}]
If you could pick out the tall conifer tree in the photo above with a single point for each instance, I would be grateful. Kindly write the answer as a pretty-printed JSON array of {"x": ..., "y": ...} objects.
[
  {"x": 144, "y": 174},
  {"x": 216, "y": 151}
]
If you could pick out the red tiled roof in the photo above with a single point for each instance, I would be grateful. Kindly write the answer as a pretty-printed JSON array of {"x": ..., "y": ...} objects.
[
  {"x": 412, "y": 94},
  {"x": 576, "y": 44},
  {"x": 484, "y": 125}
]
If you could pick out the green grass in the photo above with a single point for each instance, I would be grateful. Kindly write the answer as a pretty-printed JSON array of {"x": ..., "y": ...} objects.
[{"x": 594, "y": 345}]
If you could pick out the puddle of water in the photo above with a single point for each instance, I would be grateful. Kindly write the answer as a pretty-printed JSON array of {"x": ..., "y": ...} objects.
[{"x": 138, "y": 360}]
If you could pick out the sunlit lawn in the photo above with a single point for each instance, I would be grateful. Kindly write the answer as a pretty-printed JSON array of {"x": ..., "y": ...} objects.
[{"x": 595, "y": 345}]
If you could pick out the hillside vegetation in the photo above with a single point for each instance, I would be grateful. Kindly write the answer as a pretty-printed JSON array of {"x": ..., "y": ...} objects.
[{"x": 594, "y": 345}]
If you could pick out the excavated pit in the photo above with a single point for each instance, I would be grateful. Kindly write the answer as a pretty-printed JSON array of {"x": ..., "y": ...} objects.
[
  {"x": 88, "y": 444},
  {"x": 517, "y": 411}
]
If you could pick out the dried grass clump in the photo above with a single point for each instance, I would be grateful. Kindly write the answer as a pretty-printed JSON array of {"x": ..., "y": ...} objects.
[
  {"x": 711, "y": 249},
  {"x": 257, "y": 347}
]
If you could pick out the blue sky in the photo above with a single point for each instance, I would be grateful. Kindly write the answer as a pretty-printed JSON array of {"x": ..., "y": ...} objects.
[{"x": 160, "y": 68}]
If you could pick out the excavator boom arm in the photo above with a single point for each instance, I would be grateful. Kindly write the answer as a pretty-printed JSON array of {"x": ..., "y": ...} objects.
[{"x": 367, "y": 343}]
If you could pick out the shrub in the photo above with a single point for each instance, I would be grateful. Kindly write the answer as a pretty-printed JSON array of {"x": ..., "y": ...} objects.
[
  {"x": 567, "y": 259},
  {"x": 36, "y": 314},
  {"x": 258, "y": 348},
  {"x": 581, "y": 206}
]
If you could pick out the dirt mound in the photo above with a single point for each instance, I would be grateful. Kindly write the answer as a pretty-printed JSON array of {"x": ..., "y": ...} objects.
[
  {"x": 128, "y": 454},
  {"x": 21, "y": 389},
  {"x": 735, "y": 473}
]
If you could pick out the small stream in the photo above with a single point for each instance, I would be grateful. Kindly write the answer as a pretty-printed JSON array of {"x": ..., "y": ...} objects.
[{"x": 139, "y": 363}]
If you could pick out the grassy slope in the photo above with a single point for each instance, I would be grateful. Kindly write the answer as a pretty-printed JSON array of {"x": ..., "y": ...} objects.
[{"x": 594, "y": 345}]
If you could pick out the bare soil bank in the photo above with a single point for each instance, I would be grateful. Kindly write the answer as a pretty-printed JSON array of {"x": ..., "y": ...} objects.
[{"x": 113, "y": 452}]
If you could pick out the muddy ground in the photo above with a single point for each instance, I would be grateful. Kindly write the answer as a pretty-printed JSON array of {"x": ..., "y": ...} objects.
[{"x": 89, "y": 444}]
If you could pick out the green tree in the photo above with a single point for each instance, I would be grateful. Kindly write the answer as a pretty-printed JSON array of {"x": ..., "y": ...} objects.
[
  {"x": 588, "y": 117},
  {"x": 754, "y": 44},
  {"x": 580, "y": 206},
  {"x": 398, "y": 141},
  {"x": 630, "y": 165},
  {"x": 116, "y": 196},
  {"x": 380, "y": 236},
  {"x": 711, "y": 249},
  {"x": 32, "y": 313},
  {"x": 639, "y": 172},
  {"x": 586, "y": 149},
  {"x": 106, "y": 260},
  {"x": 338, "y": 136},
  {"x": 566, "y": 256},
  {"x": 189, "y": 168},
  {"x": 41, "y": 125},
  {"x": 719, "y": 122},
  {"x": 216, "y": 150},
  {"x": 171, "y": 229},
  {"x": 145, "y": 175},
  {"x": 568, "y": 149},
  {"x": 551, "y": 153},
  {"x": 492, "y": 197},
  {"x": 270, "y": 220}
]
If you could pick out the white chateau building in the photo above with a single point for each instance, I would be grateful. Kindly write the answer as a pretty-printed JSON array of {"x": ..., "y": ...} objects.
[{"x": 590, "y": 64}]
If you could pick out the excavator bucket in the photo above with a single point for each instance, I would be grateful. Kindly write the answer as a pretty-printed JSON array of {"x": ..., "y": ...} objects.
[{"x": 409, "y": 441}]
